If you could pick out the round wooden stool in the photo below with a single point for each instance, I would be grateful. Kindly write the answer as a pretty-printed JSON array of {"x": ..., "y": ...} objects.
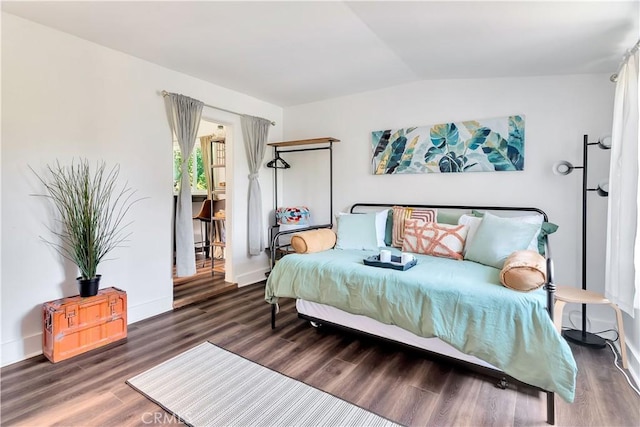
[{"x": 565, "y": 294}]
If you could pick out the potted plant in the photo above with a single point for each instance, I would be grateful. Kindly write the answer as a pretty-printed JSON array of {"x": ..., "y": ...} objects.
[{"x": 91, "y": 209}]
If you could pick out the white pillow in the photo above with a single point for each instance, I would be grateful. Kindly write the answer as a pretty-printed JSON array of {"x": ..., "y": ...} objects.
[
  {"x": 473, "y": 222},
  {"x": 381, "y": 226}
]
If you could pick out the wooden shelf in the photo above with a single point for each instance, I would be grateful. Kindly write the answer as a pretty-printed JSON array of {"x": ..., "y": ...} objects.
[{"x": 303, "y": 142}]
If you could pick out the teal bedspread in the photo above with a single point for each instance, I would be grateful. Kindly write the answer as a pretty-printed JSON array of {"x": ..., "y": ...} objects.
[{"x": 460, "y": 302}]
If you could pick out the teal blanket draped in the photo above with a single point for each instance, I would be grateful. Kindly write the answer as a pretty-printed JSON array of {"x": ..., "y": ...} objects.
[{"x": 460, "y": 302}]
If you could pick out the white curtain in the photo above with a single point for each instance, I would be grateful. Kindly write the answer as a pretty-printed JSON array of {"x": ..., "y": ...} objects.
[
  {"x": 622, "y": 284},
  {"x": 205, "y": 147},
  {"x": 184, "y": 118},
  {"x": 255, "y": 131}
]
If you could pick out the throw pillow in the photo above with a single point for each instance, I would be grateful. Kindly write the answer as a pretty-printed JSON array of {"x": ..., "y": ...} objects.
[
  {"x": 357, "y": 231},
  {"x": 538, "y": 219},
  {"x": 313, "y": 241},
  {"x": 400, "y": 214},
  {"x": 451, "y": 217},
  {"x": 473, "y": 223},
  {"x": 388, "y": 235},
  {"x": 498, "y": 237},
  {"x": 431, "y": 238},
  {"x": 381, "y": 226},
  {"x": 546, "y": 229},
  {"x": 524, "y": 271}
]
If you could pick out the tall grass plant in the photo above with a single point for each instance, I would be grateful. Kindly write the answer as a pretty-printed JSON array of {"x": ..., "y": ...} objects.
[{"x": 91, "y": 209}]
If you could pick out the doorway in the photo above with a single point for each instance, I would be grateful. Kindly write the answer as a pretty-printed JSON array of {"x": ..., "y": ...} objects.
[{"x": 209, "y": 189}]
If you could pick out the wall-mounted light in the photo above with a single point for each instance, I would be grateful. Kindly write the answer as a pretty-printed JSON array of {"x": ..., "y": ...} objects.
[{"x": 564, "y": 167}]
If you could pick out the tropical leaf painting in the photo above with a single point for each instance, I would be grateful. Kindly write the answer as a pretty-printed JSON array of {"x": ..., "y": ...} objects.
[{"x": 471, "y": 146}]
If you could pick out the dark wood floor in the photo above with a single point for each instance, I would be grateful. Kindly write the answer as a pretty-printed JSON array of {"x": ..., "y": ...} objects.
[
  {"x": 403, "y": 386},
  {"x": 206, "y": 283}
]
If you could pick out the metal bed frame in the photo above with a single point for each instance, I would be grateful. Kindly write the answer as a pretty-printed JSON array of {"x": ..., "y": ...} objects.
[{"x": 504, "y": 379}]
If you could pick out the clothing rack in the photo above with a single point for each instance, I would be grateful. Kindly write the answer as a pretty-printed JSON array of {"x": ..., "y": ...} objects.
[
  {"x": 165, "y": 93},
  {"x": 277, "y": 150}
]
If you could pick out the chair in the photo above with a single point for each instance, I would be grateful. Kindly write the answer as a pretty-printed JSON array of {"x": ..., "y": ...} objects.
[
  {"x": 565, "y": 294},
  {"x": 204, "y": 216}
]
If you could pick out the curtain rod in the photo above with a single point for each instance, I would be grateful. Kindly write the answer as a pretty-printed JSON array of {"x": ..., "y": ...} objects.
[
  {"x": 165, "y": 93},
  {"x": 614, "y": 76}
]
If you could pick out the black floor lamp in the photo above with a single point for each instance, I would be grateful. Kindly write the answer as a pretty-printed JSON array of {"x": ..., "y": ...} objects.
[{"x": 582, "y": 337}]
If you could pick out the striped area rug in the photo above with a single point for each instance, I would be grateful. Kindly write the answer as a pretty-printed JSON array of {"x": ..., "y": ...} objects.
[{"x": 210, "y": 386}]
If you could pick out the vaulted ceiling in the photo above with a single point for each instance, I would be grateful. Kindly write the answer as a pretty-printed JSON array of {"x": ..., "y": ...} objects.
[{"x": 291, "y": 53}]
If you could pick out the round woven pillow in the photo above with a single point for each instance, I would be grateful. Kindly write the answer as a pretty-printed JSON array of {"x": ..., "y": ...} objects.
[
  {"x": 524, "y": 271},
  {"x": 313, "y": 241}
]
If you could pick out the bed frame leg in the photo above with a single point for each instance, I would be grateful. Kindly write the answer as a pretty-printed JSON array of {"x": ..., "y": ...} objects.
[
  {"x": 551, "y": 408},
  {"x": 273, "y": 316}
]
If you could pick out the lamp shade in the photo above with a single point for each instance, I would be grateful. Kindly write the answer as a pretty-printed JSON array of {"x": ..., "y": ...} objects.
[
  {"x": 604, "y": 142},
  {"x": 563, "y": 167},
  {"x": 603, "y": 188}
]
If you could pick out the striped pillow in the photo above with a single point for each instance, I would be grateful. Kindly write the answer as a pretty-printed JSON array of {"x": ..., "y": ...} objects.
[
  {"x": 431, "y": 238},
  {"x": 400, "y": 214}
]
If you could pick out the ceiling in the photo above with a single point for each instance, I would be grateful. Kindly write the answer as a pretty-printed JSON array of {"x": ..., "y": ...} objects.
[{"x": 290, "y": 53}]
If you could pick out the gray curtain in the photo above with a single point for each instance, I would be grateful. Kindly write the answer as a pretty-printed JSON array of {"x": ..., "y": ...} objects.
[
  {"x": 184, "y": 118},
  {"x": 255, "y": 131}
]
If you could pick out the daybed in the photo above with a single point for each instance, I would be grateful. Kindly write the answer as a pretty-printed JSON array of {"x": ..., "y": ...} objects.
[{"x": 456, "y": 308}]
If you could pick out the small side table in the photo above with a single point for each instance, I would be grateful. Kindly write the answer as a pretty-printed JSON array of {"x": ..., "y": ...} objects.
[{"x": 566, "y": 294}]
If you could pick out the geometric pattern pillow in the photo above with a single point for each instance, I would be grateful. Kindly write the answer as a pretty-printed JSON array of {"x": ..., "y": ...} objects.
[
  {"x": 431, "y": 238},
  {"x": 401, "y": 214}
]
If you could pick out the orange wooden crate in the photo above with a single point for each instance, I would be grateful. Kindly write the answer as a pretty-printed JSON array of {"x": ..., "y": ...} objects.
[{"x": 74, "y": 325}]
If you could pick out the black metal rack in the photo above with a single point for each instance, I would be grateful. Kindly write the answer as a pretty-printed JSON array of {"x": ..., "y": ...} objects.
[{"x": 279, "y": 163}]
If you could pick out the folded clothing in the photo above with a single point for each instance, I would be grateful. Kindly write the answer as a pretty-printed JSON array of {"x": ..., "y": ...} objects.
[{"x": 311, "y": 241}]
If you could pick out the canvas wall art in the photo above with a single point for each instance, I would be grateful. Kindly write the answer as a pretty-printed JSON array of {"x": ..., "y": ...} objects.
[{"x": 489, "y": 145}]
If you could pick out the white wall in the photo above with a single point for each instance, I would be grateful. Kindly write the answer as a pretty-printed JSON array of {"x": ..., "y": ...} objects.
[
  {"x": 64, "y": 97},
  {"x": 558, "y": 111}
]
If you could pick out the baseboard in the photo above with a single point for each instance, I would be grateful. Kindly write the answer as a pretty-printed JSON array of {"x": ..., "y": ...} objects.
[
  {"x": 148, "y": 309},
  {"x": 252, "y": 277},
  {"x": 21, "y": 349},
  {"x": 634, "y": 363},
  {"x": 18, "y": 350}
]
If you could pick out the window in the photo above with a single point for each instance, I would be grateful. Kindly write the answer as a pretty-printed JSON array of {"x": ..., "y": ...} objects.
[{"x": 197, "y": 179}]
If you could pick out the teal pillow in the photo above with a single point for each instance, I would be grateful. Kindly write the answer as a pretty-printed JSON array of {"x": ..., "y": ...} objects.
[
  {"x": 499, "y": 237},
  {"x": 357, "y": 231},
  {"x": 546, "y": 229},
  {"x": 451, "y": 218},
  {"x": 388, "y": 231}
]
